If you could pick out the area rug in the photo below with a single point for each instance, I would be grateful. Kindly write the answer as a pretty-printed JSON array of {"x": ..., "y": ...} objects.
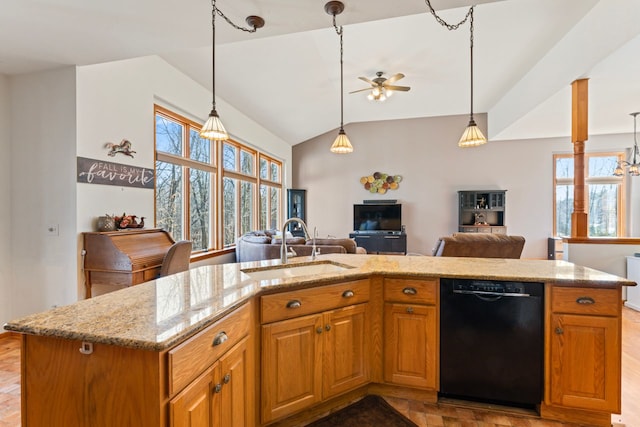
[{"x": 369, "y": 411}]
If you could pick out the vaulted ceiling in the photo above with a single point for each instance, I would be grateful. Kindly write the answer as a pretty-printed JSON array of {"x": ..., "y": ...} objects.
[{"x": 286, "y": 76}]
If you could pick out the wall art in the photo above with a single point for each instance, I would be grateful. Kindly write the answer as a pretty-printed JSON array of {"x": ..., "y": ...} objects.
[
  {"x": 92, "y": 171},
  {"x": 124, "y": 147},
  {"x": 380, "y": 182}
]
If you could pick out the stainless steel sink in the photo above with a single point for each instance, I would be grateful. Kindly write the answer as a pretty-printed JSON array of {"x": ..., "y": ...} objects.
[{"x": 294, "y": 270}]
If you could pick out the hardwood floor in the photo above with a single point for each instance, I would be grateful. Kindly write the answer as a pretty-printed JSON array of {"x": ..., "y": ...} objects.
[{"x": 444, "y": 414}]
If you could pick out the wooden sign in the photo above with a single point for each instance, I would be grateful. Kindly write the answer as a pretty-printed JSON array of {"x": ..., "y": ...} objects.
[{"x": 93, "y": 171}]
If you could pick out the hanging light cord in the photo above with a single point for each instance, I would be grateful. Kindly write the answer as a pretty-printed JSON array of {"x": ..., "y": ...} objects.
[
  {"x": 237, "y": 27},
  {"x": 471, "y": 43},
  {"x": 443, "y": 22},
  {"x": 339, "y": 32}
]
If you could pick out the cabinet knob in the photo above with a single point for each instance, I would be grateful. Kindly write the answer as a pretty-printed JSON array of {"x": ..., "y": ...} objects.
[
  {"x": 559, "y": 330},
  {"x": 217, "y": 388},
  {"x": 585, "y": 300},
  {"x": 294, "y": 304},
  {"x": 226, "y": 379},
  {"x": 348, "y": 294},
  {"x": 220, "y": 338},
  {"x": 327, "y": 327},
  {"x": 410, "y": 310},
  {"x": 319, "y": 330},
  {"x": 409, "y": 291}
]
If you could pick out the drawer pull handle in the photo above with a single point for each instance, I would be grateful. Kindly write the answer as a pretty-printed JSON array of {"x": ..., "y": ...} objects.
[
  {"x": 294, "y": 304},
  {"x": 348, "y": 294},
  {"x": 585, "y": 300},
  {"x": 409, "y": 291},
  {"x": 559, "y": 331},
  {"x": 410, "y": 310},
  {"x": 220, "y": 338},
  {"x": 319, "y": 330},
  {"x": 226, "y": 379},
  {"x": 217, "y": 388}
]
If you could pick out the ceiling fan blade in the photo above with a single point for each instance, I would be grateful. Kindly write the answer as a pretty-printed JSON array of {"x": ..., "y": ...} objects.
[
  {"x": 364, "y": 79},
  {"x": 398, "y": 88},
  {"x": 395, "y": 78},
  {"x": 360, "y": 90}
]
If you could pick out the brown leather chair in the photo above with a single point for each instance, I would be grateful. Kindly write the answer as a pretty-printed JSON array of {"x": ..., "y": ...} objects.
[
  {"x": 177, "y": 258},
  {"x": 480, "y": 245}
]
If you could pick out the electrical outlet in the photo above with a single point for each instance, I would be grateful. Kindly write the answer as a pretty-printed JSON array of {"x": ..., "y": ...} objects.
[{"x": 52, "y": 230}]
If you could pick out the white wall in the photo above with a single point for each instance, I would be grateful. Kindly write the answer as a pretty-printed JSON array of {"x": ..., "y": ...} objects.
[
  {"x": 425, "y": 152},
  {"x": 5, "y": 200},
  {"x": 42, "y": 177}
]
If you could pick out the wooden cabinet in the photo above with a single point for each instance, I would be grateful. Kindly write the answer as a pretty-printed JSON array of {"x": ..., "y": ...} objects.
[
  {"x": 482, "y": 211},
  {"x": 221, "y": 396},
  {"x": 583, "y": 359},
  {"x": 296, "y": 207},
  {"x": 386, "y": 243},
  {"x": 310, "y": 358},
  {"x": 410, "y": 333}
]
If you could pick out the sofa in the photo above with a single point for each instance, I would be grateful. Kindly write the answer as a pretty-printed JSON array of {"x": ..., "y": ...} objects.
[
  {"x": 265, "y": 244},
  {"x": 480, "y": 245}
]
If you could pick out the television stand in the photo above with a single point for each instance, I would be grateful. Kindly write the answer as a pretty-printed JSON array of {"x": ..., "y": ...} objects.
[{"x": 392, "y": 242}]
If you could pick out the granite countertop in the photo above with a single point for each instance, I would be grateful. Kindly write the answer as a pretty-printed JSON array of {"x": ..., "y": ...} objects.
[{"x": 161, "y": 313}]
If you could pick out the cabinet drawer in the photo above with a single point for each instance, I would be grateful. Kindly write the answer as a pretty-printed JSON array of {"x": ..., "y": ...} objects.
[
  {"x": 410, "y": 291},
  {"x": 605, "y": 302},
  {"x": 189, "y": 359},
  {"x": 287, "y": 305}
]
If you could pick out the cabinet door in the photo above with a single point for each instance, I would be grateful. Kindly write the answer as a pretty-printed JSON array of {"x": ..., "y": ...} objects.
[
  {"x": 585, "y": 362},
  {"x": 291, "y": 366},
  {"x": 410, "y": 350},
  {"x": 368, "y": 241},
  {"x": 193, "y": 407},
  {"x": 346, "y": 349},
  {"x": 236, "y": 377}
]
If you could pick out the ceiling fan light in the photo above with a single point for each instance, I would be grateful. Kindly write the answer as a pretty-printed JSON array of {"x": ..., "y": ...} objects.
[
  {"x": 342, "y": 145},
  {"x": 472, "y": 136},
  {"x": 213, "y": 128}
]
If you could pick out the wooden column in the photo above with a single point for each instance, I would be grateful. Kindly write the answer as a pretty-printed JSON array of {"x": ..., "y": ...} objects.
[{"x": 579, "y": 134}]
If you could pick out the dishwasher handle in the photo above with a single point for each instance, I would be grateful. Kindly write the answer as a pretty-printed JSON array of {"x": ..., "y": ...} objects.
[{"x": 489, "y": 294}]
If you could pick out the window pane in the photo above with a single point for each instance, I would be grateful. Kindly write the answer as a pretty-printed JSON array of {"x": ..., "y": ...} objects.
[
  {"x": 264, "y": 206},
  {"x": 264, "y": 165},
  {"x": 246, "y": 162},
  {"x": 229, "y": 212},
  {"x": 168, "y": 135},
  {"x": 200, "y": 208},
  {"x": 246, "y": 207},
  {"x": 274, "y": 207},
  {"x": 275, "y": 173},
  {"x": 564, "y": 167},
  {"x": 169, "y": 198},
  {"x": 602, "y": 165},
  {"x": 603, "y": 210},
  {"x": 564, "y": 207},
  {"x": 199, "y": 148},
  {"x": 229, "y": 157}
]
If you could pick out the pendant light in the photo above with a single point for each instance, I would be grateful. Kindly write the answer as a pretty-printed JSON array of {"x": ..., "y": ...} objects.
[
  {"x": 213, "y": 128},
  {"x": 634, "y": 167},
  {"x": 341, "y": 145},
  {"x": 472, "y": 136}
]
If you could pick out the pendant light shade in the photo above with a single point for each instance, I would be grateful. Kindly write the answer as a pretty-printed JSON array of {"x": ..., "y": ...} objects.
[
  {"x": 472, "y": 136},
  {"x": 213, "y": 128},
  {"x": 342, "y": 145}
]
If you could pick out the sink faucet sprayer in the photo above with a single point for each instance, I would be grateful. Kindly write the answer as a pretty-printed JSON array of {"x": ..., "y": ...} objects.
[{"x": 283, "y": 247}]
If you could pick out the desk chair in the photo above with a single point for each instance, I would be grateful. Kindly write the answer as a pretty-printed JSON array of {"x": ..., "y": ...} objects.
[{"x": 177, "y": 258}]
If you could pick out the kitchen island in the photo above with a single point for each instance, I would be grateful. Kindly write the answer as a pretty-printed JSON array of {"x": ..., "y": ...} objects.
[{"x": 212, "y": 346}]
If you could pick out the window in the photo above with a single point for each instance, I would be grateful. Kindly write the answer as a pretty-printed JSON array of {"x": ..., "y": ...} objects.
[
  {"x": 193, "y": 191},
  {"x": 603, "y": 196}
]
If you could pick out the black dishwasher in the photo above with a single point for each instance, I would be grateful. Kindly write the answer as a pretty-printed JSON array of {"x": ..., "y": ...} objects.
[{"x": 491, "y": 341}]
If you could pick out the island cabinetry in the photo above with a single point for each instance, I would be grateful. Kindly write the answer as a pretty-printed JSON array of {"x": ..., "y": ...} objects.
[
  {"x": 583, "y": 357},
  {"x": 410, "y": 332},
  {"x": 308, "y": 358}
]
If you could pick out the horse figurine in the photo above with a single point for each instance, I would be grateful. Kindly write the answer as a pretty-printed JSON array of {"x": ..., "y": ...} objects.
[{"x": 124, "y": 147}]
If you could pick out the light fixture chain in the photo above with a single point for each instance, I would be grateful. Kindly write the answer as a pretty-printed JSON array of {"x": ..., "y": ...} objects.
[
  {"x": 213, "y": 54},
  {"x": 443, "y": 22},
  {"x": 471, "y": 48},
  {"x": 237, "y": 27},
  {"x": 339, "y": 31}
]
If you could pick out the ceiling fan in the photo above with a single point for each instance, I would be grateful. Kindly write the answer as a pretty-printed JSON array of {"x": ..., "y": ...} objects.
[{"x": 382, "y": 87}]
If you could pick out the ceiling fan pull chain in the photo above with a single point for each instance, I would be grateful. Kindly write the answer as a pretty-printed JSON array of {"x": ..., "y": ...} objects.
[{"x": 443, "y": 22}]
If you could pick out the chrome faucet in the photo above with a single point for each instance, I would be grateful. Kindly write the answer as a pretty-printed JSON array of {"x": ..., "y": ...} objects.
[
  {"x": 314, "y": 250},
  {"x": 283, "y": 247}
]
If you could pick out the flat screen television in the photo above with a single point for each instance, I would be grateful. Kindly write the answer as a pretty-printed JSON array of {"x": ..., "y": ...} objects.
[{"x": 373, "y": 217}]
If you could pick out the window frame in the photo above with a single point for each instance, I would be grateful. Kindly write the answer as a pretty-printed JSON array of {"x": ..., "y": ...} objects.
[
  {"x": 218, "y": 172},
  {"x": 621, "y": 182}
]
